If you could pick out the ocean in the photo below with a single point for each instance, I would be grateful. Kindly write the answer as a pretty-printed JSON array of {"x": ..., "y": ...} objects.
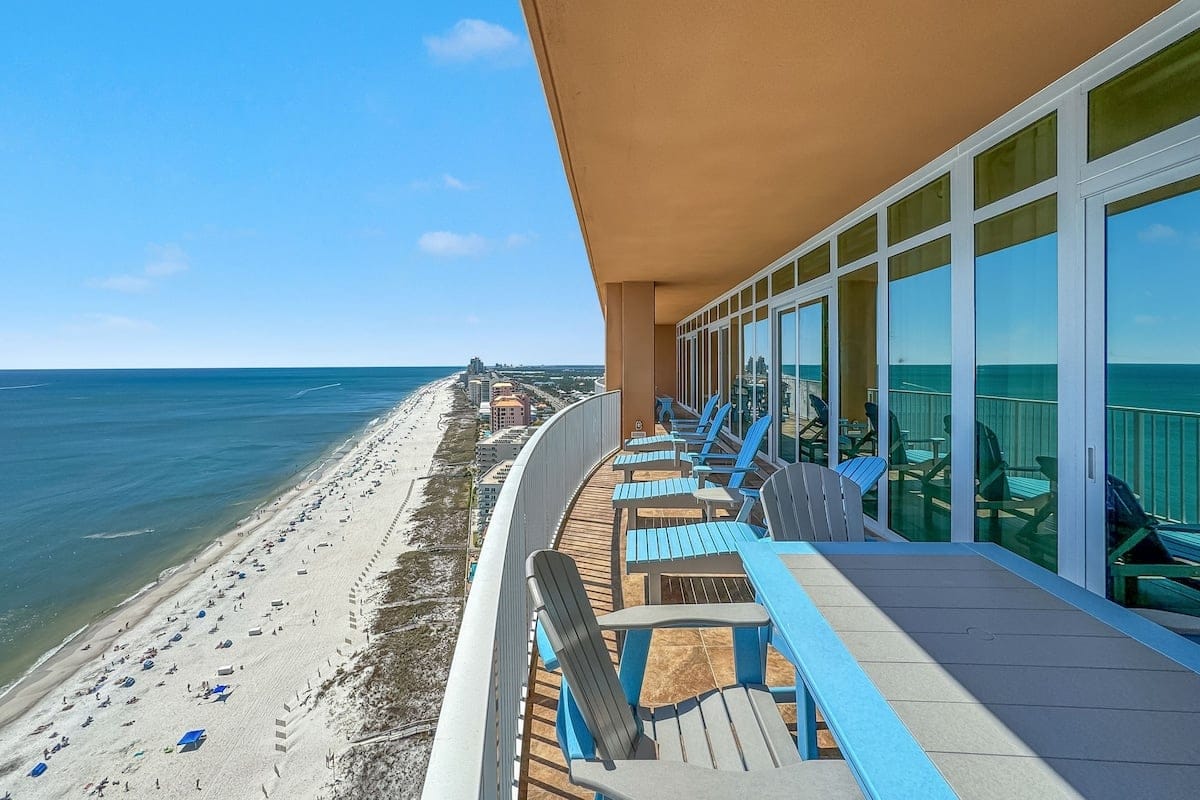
[{"x": 109, "y": 477}]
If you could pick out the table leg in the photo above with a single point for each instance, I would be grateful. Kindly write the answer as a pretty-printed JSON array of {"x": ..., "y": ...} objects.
[{"x": 806, "y": 721}]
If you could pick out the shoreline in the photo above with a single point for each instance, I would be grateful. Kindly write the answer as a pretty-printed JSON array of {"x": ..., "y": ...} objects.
[{"x": 56, "y": 665}]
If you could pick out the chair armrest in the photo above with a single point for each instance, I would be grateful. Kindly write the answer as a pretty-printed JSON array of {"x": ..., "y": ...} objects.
[
  {"x": 715, "y": 456},
  {"x": 1178, "y": 527},
  {"x": 698, "y": 615},
  {"x": 707, "y": 469}
]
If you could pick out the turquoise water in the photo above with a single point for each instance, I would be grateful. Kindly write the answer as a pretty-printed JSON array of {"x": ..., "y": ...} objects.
[{"x": 108, "y": 477}]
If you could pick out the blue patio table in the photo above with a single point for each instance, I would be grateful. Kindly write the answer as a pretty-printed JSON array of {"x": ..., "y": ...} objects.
[{"x": 962, "y": 670}]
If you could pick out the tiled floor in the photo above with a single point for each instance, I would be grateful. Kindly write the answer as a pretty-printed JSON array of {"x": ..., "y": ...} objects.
[{"x": 682, "y": 663}]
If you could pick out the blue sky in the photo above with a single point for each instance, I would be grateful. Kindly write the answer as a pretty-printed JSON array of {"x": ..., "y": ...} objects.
[{"x": 274, "y": 184}]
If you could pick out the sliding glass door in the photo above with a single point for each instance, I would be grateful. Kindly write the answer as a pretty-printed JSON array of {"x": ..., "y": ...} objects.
[{"x": 1144, "y": 459}]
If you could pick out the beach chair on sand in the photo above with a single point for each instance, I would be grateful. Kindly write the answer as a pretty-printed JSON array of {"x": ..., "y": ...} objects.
[
  {"x": 682, "y": 492},
  {"x": 688, "y": 430},
  {"x": 1141, "y": 546},
  {"x": 673, "y": 458},
  {"x": 728, "y": 742},
  {"x": 710, "y": 548}
]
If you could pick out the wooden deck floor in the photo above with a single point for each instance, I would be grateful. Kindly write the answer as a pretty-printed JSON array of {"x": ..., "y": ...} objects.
[{"x": 682, "y": 663}]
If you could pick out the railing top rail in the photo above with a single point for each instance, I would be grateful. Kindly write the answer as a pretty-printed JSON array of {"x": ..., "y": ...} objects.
[{"x": 462, "y": 736}]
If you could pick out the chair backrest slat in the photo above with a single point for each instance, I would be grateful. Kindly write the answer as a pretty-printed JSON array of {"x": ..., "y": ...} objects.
[
  {"x": 706, "y": 414},
  {"x": 754, "y": 437},
  {"x": 570, "y": 624},
  {"x": 714, "y": 430},
  {"x": 809, "y": 502}
]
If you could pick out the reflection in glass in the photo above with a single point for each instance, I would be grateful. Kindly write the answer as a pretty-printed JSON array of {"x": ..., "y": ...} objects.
[
  {"x": 743, "y": 390},
  {"x": 1024, "y": 159},
  {"x": 734, "y": 381},
  {"x": 762, "y": 368},
  {"x": 788, "y": 396},
  {"x": 1016, "y": 381},
  {"x": 857, "y": 368},
  {"x": 918, "y": 390},
  {"x": 923, "y": 209},
  {"x": 1153, "y": 398},
  {"x": 1149, "y": 97},
  {"x": 813, "y": 265},
  {"x": 858, "y": 241},
  {"x": 813, "y": 384}
]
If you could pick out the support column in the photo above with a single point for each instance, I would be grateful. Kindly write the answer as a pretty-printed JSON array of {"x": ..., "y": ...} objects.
[
  {"x": 637, "y": 357},
  {"x": 612, "y": 336},
  {"x": 665, "y": 376}
]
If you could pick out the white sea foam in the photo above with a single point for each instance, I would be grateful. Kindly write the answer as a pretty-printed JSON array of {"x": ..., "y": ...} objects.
[
  {"x": 119, "y": 534},
  {"x": 303, "y": 392},
  {"x": 25, "y": 386},
  {"x": 49, "y": 654}
]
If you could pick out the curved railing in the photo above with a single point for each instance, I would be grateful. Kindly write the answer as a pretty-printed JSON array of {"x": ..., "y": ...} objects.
[{"x": 476, "y": 748}]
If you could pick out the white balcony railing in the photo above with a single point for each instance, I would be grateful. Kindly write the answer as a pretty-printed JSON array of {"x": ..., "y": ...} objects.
[{"x": 476, "y": 749}]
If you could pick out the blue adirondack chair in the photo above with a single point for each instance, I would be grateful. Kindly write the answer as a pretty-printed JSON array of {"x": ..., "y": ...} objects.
[
  {"x": 673, "y": 458},
  {"x": 728, "y": 742},
  {"x": 680, "y": 492},
  {"x": 685, "y": 429},
  {"x": 710, "y": 548}
]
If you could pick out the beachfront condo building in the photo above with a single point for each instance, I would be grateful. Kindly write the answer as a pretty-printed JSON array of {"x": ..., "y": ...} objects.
[
  {"x": 509, "y": 410},
  {"x": 475, "y": 391},
  {"x": 503, "y": 445},
  {"x": 488, "y": 491},
  {"x": 963, "y": 238},
  {"x": 501, "y": 388}
]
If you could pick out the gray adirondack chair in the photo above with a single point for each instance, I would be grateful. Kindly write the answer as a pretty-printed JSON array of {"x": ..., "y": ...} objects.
[
  {"x": 728, "y": 742},
  {"x": 710, "y": 547},
  {"x": 812, "y": 503}
]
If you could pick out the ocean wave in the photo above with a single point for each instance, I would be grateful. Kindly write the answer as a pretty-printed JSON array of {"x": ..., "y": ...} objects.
[
  {"x": 25, "y": 386},
  {"x": 49, "y": 654},
  {"x": 119, "y": 534},
  {"x": 303, "y": 392}
]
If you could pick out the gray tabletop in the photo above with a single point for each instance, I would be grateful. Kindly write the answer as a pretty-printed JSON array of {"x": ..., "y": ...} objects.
[{"x": 1010, "y": 690}]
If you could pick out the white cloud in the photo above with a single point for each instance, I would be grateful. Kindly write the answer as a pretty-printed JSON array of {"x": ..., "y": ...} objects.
[
  {"x": 130, "y": 284},
  {"x": 165, "y": 259},
  {"x": 451, "y": 182},
  {"x": 450, "y": 245},
  {"x": 471, "y": 40},
  {"x": 517, "y": 239},
  {"x": 115, "y": 322},
  {"x": 1157, "y": 232},
  {"x": 471, "y": 319},
  {"x": 161, "y": 260}
]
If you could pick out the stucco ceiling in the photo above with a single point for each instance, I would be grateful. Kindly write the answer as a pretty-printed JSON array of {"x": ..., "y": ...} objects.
[{"x": 702, "y": 140}]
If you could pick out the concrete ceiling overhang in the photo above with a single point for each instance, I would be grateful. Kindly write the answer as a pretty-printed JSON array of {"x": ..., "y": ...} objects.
[{"x": 703, "y": 140}]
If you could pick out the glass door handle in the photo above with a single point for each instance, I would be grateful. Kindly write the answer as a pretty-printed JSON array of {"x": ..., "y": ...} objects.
[{"x": 1091, "y": 463}]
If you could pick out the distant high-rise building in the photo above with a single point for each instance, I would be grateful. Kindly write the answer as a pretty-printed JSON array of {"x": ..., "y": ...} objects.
[
  {"x": 476, "y": 367},
  {"x": 475, "y": 391}
]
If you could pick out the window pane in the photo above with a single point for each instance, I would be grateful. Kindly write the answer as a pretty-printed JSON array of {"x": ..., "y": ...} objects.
[
  {"x": 814, "y": 264},
  {"x": 925, "y": 208},
  {"x": 1024, "y": 159},
  {"x": 858, "y": 369},
  {"x": 858, "y": 241},
  {"x": 919, "y": 391},
  {"x": 812, "y": 384},
  {"x": 1016, "y": 381},
  {"x": 788, "y": 396},
  {"x": 762, "y": 369},
  {"x": 734, "y": 367},
  {"x": 747, "y": 297},
  {"x": 733, "y": 304},
  {"x": 743, "y": 402},
  {"x": 783, "y": 278},
  {"x": 760, "y": 290},
  {"x": 1153, "y": 398},
  {"x": 1158, "y": 93},
  {"x": 723, "y": 309}
]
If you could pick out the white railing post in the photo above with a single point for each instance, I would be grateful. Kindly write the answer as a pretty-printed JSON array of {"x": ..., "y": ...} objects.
[{"x": 476, "y": 747}]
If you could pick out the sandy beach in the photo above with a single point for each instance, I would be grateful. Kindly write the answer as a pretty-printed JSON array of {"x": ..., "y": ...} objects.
[{"x": 289, "y": 590}]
